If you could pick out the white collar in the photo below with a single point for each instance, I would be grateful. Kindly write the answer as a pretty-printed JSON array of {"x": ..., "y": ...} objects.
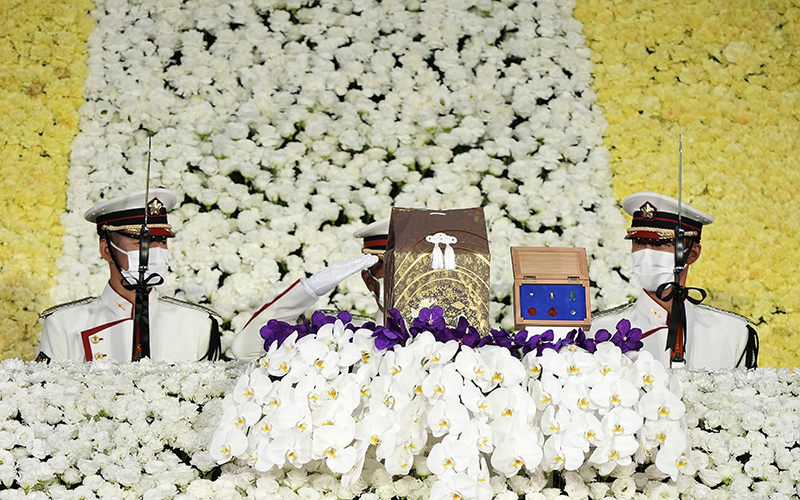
[{"x": 120, "y": 305}]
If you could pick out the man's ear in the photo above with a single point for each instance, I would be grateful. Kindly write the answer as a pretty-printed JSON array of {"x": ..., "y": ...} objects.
[
  {"x": 105, "y": 251},
  {"x": 367, "y": 280},
  {"x": 694, "y": 253}
]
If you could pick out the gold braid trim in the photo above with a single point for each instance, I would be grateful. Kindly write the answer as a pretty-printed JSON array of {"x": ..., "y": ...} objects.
[
  {"x": 664, "y": 233},
  {"x": 373, "y": 251},
  {"x": 134, "y": 228}
]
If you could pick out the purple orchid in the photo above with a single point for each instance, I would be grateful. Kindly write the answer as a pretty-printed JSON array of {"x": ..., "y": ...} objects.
[
  {"x": 396, "y": 332},
  {"x": 431, "y": 320}
]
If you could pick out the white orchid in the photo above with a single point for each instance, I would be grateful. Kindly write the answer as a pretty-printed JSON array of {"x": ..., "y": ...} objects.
[
  {"x": 571, "y": 361},
  {"x": 338, "y": 339},
  {"x": 585, "y": 431},
  {"x": 610, "y": 393},
  {"x": 455, "y": 486},
  {"x": 333, "y": 443},
  {"x": 519, "y": 447},
  {"x": 447, "y": 417},
  {"x": 618, "y": 443},
  {"x": 380, "y": 429},
  {"x": 241, "y": 416},
  {"x": 443, "y": 383},
  {"x": 278, "y": 358},
  {"x": 315, "y": 355},
  {"x": 575, "y": 395},
  {"x": 227, "y": 444},
  {"x": 432, "y": 353},
  {"x": 672, "y": 456},
  {"x": 610, "y": 359},
  {"x": 253, "y": 388},
  {"x": 661, "y": 403},
  {"x": 546, "y": 391},
  {"x": 490, "y": 367},
  {"x": 451, "y": 455},
  {"x": 476, "y": 402},
  {"x": 561, "y": 453},
  {"x": 649, "y": 372},
  {"x": 293, "y": 446},
  {"x": 512, "y": 406},
  {"x": 404, "y": 368}
]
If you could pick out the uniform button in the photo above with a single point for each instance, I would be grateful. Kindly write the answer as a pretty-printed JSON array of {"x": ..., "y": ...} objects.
[{"x": 658, "y": 314}]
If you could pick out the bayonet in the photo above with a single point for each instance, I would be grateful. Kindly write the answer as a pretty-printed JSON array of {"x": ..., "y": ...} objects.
[{"x": 141, "y": 315}]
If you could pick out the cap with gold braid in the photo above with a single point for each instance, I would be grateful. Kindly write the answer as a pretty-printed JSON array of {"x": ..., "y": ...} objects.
[
  {"x": 125, "y": 214},
  {"x": 375, "y": 236},
  {"x": 655, "y": 217}
]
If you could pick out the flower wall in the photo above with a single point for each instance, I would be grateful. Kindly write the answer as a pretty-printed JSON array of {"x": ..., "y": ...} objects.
[
  {"x": 285, "y": 127},
  {"x": 725, "y": 77},
  {"x": 42, "y": 71},
  {"x": 71, "y": 430}
]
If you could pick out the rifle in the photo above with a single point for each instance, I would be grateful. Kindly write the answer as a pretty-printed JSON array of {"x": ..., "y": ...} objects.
[
  {"x": 141, "y": 308},
  {"x": 676, "y": 332}
]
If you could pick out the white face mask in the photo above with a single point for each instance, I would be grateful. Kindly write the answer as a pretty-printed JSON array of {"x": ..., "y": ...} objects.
[
  {"x": 157, "y": 263},
  {"x": 652, "y": 268},
  {"x": 377, "y": 289}
]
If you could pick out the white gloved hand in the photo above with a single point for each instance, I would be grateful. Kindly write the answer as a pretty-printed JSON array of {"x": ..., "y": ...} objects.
[{"x": 326, "y": 280}]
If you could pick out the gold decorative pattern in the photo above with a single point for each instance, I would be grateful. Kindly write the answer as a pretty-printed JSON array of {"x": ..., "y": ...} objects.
[
  {"x": 664, "y": 233},
  {"x": 460, "y": 292},
  {"x": 134, "y": 228}
]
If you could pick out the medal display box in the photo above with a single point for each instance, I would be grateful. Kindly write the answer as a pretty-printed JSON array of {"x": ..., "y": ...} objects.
[{"x": 551, "y": 287}]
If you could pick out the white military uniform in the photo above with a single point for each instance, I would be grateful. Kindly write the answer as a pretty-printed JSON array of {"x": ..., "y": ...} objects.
[
  {"x": 291, "y": 303},
  {"x": 102, "y": 328},
  {"x": 714, "y": 338},
  {"x": 304, "y": 293}
]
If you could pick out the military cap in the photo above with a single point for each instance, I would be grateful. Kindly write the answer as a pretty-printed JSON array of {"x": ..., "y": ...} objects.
[
  {"x": 374, "y": 237},
  {"x": 655, "y": 217},
  {"x": 125, "y": 214}
]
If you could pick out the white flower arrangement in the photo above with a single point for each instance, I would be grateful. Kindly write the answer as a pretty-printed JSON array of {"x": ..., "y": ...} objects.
[
  {"x": 332, "y": 396},
  {"x": 104, "y": 429},
  {"x": 141, "y": 430},
  {"x": 284, "y": 127}
]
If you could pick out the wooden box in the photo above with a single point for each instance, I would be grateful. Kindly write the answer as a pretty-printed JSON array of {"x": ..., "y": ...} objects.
[{"x": 551, "y": 287}]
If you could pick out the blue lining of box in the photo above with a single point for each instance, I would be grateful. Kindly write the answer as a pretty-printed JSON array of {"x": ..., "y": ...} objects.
[{"x": 568, "y": 306}]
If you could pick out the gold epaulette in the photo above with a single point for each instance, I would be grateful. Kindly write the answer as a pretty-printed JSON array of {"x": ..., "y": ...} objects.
[
  {"x": 609, "y": 312},
  {"x": 172, "y": 300},
  {"x": 728, "y": 313},
  {"x": 65, "y": 305}
]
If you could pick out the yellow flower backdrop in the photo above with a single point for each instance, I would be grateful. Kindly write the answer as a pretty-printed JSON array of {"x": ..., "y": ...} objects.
[
  {"x": 724, "y": 76},
  {"x": 42, "y": 70}
]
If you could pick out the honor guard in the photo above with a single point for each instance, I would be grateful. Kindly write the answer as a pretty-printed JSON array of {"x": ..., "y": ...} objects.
[
  {"x": 713, "y": 338},
  {"x": 304, "y": 293},
  {"x": 102, "y": 327}
]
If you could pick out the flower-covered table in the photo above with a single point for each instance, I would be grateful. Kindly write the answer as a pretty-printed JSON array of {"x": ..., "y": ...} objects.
[{"x": 330, "y": 415}]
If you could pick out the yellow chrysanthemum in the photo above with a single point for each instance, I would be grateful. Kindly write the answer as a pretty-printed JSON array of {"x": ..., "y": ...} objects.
[
  {"x": 724, "y": 78},
  {"x": 42, "y": 69}
]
